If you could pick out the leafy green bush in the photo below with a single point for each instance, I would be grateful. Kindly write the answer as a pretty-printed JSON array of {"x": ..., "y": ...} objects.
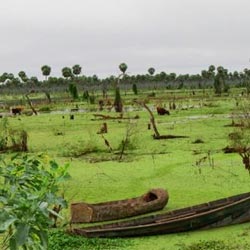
[
  {"x": 19, "y": 140},
  {"x": 73, "y": 91},
  {"x": 134, "y": 88},
  {"x": 85, "y": 96},
  {"x": 92, "y": 99},
  {"x": 12, "y": 139},
  {"x": 28, "y": 191}
]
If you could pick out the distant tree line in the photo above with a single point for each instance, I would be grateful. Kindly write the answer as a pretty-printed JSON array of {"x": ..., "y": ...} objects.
[{"x": 72, "y": 78}]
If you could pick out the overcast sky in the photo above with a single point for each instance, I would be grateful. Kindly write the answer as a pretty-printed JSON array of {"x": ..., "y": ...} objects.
[{"x": 183, "y": 36}]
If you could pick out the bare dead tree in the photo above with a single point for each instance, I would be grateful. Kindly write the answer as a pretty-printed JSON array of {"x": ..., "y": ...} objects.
[
  {"x": 107, "y": 143},
  {"x": 103, "y": 129},
  {"x": 240, "y": 138},
  {"x": 47, "y": 94},
  {"x": 152, "y": 118},
  {"x": 126, "y": 142},
  {"x": 30, "y": 104},
  {"x": 244, "y": 153}
]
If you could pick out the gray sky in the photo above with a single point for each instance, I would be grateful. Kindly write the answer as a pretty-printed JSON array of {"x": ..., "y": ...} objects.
[{"x": 183, "y": 36}]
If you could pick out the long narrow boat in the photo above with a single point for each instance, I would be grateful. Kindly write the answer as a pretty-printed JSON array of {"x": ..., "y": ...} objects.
[
  {"x": 222, "y": 212},
  {"x": 153, "y": 200}
]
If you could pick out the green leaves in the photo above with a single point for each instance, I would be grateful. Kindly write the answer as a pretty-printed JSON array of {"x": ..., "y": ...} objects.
[
  {"x": 123, "y": 67},
  {"x": 151, "y": 71},
  {"x": 21, "y": 235},
  {"x": 76, "y": 69},
  {"x": 46, "y": 70},
  {"x": 5, "y": 220},
  {"x": 28, "y": 193},
  {"x": 66, "y": 72}
]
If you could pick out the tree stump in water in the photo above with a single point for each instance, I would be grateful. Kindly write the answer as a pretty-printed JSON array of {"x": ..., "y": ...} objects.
[{"x": 103, "y": 129}]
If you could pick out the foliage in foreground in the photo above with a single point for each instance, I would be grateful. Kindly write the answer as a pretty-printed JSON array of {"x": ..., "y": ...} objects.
[
  {"x": 215, "y": 245},
  {"x": 28, "y": 190},
  {"x": 59, "y": 240}
]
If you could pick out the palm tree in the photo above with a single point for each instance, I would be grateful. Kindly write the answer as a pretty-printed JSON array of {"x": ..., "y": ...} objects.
[
  {"x": 118, "y": 100},
  {"x": 66, "y": 72},
  {"x": 76, "y": 69},
  {"x": 211, "y": 68},
  {"x": 46, "y": 71},
  {"x": 151, "y": 71},
  {"x": 219, "y": 80},
  {"x": 4, "y": 77},
  {"x": 23, "y": 76},
  {"x": 123, "y": 67}
]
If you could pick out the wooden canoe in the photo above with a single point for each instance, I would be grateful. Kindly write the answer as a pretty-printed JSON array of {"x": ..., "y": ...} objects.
[
  {"x": 223, "y": 212},
  {"x": 153, "y": 200}
]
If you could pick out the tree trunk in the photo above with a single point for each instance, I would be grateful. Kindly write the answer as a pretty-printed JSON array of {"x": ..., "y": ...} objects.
[
  {"x": 118, "y": 100},
  {"x": 48, "y": 96},
  {"x": 30, "y": 104},
  {"x": 152, "y": 119}
]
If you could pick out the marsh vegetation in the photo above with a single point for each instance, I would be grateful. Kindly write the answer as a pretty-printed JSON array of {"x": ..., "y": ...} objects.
[{"x": 124, "y": 160}]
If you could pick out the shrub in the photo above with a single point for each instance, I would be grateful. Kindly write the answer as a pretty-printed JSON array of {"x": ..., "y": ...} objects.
[
  {"x": 12, "y": 139},
  {"x": 240, "y": 138},
  {"x": 73, "y": 90},
  {"x": 80, "y": 148},
  {"x": 85, "y": 95},
  {"x": 19, "y": 140},
  {"x": 30, "y": 190},
  {"x": 92, "y": 99},
  {"x": 134, "y": 87}
]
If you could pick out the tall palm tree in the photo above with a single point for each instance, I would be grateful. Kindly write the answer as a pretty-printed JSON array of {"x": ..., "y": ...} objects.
[
  {"x": 211, "y": 68},
  {"x": 23, "y": 76},
  {"x": 46, "y": 71},
  {"x": 118, "y": 100},
  {"x": 4, "y": 77},
  {"x": 219, "y": 80},
  {"x": 66, "y": 72},
  {"x": 123, "y": 67},
  {"x": 151, "y": 71},
  {"x": 76, "y": 69}
]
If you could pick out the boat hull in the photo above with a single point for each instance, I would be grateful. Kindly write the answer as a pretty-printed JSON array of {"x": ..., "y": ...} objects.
[{"x": 153, "y": 200}]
